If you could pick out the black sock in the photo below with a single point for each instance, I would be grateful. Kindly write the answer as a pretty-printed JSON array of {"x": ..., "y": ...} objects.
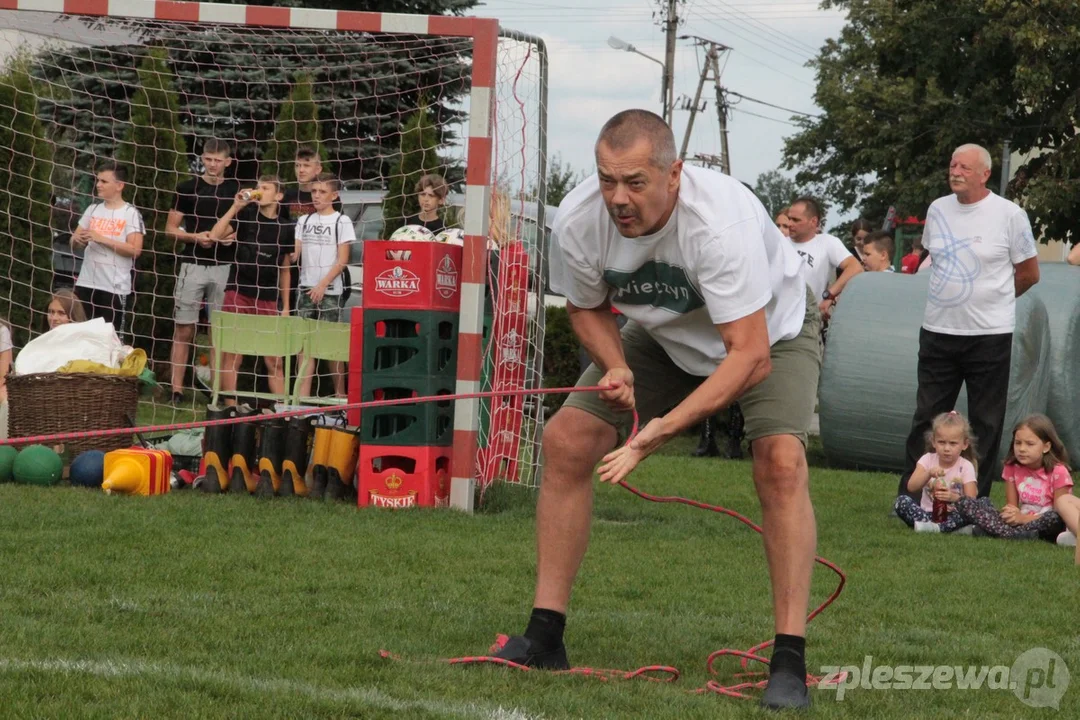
[
  {"x": 545, "y": 630},
  {"x": 789, "y": 655}
]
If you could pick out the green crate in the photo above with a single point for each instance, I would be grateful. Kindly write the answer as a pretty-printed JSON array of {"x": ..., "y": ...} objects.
[
  {"x": 417, "y": 425},
  {"x": 409, "y": 343}
]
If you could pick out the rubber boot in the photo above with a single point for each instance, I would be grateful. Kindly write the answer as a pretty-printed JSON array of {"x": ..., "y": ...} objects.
[
  {"x": 341, "y": 464},
  {"x": 271, "y": 457},
  {"x": 217, "y": 449},
  {"x": 244, "y": 460},
  {"x": 736, "y": 432},
  {"x": 707, "y": 444},
  {"x": 320, "y": 455},
  {"x": 298, "y": 432}
]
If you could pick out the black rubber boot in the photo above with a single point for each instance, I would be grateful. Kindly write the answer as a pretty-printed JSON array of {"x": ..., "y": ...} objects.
[
  {"x": 242, "y": 476},
  {"x": 298, "y": 432},
  {"x": 736, "y": 432},
  {"x": 707, "y": 444},
  {"x": 341, "y": 464},
  {"x": 320, "y": 456},
  {"x": 271, "y": 457},
  {"x": 217, "y": 449}
]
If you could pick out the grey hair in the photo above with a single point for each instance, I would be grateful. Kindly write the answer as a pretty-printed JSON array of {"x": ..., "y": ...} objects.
[
  {"x": 624, "y": 129},
  {"x": 984, "y": 154}
]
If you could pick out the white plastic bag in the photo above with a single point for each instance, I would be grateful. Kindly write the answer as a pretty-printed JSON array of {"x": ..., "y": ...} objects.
[{"x": 93, "y": 340}]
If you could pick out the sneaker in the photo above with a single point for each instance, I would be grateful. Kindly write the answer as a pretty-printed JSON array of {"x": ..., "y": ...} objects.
[
  {"x": 1066, "y": 539},
  {"x": 966, "y": 530},
  {"x": 786, "y": 691},
  {"x": 518, "y": 649},
  {"x": 927, "y": 527}
]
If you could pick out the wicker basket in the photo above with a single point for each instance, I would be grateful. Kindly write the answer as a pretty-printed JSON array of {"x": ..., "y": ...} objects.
[{"x": 47, "y": 403}]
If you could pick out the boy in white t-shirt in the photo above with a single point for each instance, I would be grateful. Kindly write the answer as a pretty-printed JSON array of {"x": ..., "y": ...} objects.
[
  {"x": 877, "y": 253},
  {"x": 322, "y": 251},
  {"x": 112, "y": 233}
]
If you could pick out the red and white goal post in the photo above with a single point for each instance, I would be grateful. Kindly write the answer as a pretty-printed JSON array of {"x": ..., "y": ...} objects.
[{"x": 149, "y": 82}]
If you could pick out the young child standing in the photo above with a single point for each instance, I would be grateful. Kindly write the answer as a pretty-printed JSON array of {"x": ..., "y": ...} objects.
[
  {"x": 322, "y": 250},
  {"x": 946, "y": 473},
  {"x": 1036, "y": 474},
  {"x": 431, "y": 192}
]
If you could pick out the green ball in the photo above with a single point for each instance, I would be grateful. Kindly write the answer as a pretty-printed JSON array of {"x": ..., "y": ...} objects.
[
  {"x": 38, "y": 465},
  {"x": 7, "y": 459}
]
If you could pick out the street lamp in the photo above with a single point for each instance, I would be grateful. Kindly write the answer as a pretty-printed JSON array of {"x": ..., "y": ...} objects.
[{"x": 619, "y": 44}]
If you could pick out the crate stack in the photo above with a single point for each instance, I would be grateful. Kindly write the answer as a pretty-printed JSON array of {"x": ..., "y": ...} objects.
[
  {"x": 406, "y": 340},
  {"x": 506, "y": 366}
]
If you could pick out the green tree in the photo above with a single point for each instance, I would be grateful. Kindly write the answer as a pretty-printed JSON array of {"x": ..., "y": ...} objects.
[
  {"x": 907, "y": 82},
  {"x": 775, "y": 190},
  {"x": 561, "y": 179},
  {"x": 25, "y": 269},
  {"x": 418, "y": 155},
  {"x": 154, "y": 150},
  {"x": 297, "y": 124}
]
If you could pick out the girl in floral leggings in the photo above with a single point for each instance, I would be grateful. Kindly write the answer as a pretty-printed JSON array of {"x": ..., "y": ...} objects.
[{"x": 1036, "y": 474}]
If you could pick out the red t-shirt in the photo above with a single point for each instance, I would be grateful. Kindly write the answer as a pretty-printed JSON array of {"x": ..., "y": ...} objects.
[{"x": 910, "y": 263}]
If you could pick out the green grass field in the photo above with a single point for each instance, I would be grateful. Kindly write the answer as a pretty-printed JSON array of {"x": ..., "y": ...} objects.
[{"x": 190, "y": 606}]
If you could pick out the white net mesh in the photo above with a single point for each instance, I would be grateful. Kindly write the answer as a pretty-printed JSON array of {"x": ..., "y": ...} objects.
[{"x": 378, "y": 110}]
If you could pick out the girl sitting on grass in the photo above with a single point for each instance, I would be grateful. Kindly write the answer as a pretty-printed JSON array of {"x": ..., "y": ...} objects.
[
  {"x": 946, "y": 473},
  {"x": 1036, "y": 474}
]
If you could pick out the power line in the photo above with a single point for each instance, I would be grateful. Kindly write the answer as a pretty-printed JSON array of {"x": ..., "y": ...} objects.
[
  {"x": 768, "y": 104},
  {"x": 763, "y": 117}
]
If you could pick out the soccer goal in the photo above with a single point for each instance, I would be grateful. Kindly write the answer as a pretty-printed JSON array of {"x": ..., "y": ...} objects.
[{"x": 187, "y": 104}]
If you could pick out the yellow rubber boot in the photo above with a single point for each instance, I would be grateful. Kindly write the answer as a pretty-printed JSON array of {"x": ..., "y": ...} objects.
[
  {"x": 320, "y": 454},
  {"x": 341, "y": 465},
  {"x": 298, "y": 439}
]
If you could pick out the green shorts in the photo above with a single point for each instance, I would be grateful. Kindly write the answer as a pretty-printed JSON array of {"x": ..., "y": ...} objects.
[
  {"x": 329, "y": 308},
  {"x": 782, "y": 404}
]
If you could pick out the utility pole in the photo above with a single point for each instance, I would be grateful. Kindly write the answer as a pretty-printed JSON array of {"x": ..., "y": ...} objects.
[
  {"x": 711, "y": 66},
  {"x": 670, "y": 24}
]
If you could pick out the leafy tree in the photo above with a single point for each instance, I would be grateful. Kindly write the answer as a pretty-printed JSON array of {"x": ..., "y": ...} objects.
[
  {"x": 561, "y": 179},
  {"x": 775, "y": 190},
  {"x": 417, "y": 157},
  {"x": 154, "y": 151},
  {"x": 297, "y": 124},
  {"x": 907, "y": 82},
  {"x": 25, "y": 269}
]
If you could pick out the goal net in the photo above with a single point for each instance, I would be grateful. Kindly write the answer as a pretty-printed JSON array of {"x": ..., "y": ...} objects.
[{"x": 121, "y": 120}]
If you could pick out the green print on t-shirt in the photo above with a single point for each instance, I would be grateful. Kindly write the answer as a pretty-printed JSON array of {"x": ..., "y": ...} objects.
[{"x": 655, "y": 283}]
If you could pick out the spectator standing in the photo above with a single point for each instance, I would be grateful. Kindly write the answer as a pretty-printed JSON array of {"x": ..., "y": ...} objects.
[
  {"x": 111, "y": 232},
  {"x": 909, "y": 264},
  {"x": 984, "y": 257},
  {"x": 860, "y": 229},
  {"x": 878, "y": 251},
  {"x": 204, "y": 263},
  {"x": 783, "y": 222},
  {"x": 431, "y": 192},
  {"x": 823, "y": 255}
]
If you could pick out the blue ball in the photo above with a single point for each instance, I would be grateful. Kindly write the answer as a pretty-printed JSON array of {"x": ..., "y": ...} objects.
[{"x": 88, "y": 469}]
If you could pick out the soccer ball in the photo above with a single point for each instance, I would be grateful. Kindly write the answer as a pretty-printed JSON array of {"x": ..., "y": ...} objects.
[
  {"x": 452, "y": 236},
  {"x": 413, "y": 233}
]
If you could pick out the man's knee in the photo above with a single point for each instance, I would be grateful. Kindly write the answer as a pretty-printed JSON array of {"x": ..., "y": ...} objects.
[
  {"x": 573, "y": 442},
  {"x": 780, "y": 469},
  {"x": 183, "y": 333}
]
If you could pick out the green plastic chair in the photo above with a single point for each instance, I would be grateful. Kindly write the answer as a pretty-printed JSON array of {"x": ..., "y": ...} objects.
[
  {"x": 270, "y": 335},
  {"x": 322, "y": 340}
]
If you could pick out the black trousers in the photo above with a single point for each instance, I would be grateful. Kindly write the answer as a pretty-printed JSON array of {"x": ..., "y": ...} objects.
[
  {"x": 945, "y": 363},
  {"x": 103, "y": 304}
]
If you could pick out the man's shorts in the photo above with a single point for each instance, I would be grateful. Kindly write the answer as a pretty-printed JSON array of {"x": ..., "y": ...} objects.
[
  {"x": 329, "y": 308},
  {"x": 244, "y": 305},
  {"x": 782, "y": 404},
  {"x": 197, "y": 283}
]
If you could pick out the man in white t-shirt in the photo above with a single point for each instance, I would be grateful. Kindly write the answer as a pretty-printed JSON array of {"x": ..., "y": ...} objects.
[
  {"x": 718, "y": 310},
  {"x": 984, "y": 257},
  {"x": 112, "y": 233},
  {"x": 322, "y": 251},
  {"x": 824, "y": 254}
]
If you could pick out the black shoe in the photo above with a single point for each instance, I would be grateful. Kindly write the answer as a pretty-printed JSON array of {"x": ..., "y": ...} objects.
[
  {"x": 786, "y": 691},
  {"x": 707, "y": 444},
  {"x": 518, "y": 649},
  {"x": 177, "y": 398},
  {"x": 734, "y": 449}
]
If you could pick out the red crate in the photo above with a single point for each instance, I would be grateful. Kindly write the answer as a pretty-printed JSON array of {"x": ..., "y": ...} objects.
[
  {"x": 403, "y": 477},
  {"x": 412, "y": 275}
]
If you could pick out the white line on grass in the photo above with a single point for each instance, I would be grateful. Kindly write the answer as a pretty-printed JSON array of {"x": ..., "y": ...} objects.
[{"x": 365, "y": 695}]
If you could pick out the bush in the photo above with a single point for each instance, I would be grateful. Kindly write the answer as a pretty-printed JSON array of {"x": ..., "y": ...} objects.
[{"x": 561, "y": 365}]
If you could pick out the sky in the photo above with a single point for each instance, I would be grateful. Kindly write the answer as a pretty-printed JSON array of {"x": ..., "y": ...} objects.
[{"x": 770, "y": 42}]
